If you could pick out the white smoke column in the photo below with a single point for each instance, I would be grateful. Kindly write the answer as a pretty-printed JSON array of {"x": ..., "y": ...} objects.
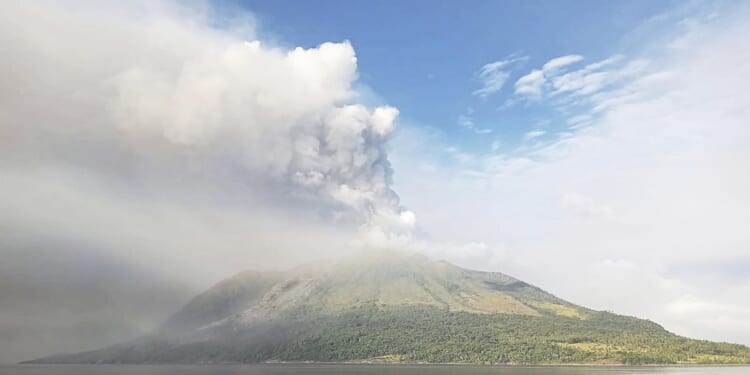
[
  {"x": 285, "y": 116},
  {"x": 169, "y": 86}
]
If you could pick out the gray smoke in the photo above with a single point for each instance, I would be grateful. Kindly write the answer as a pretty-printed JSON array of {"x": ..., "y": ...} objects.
[
  {"x": 168, "y": 91},
  {"x": 158, "y": 141}
]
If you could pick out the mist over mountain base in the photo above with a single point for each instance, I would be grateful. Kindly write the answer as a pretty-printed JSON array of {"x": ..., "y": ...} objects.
[{"x": 400, "y": 308}]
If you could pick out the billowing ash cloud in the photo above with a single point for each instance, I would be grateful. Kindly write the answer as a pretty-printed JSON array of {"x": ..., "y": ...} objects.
[
  {"x": 283, "y": 117},
  {"x": 164, "y": 143},
  {"x": 166, "y": 88}
]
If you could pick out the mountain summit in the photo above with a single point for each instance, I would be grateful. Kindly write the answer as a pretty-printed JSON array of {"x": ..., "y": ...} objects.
[{"x": 397, "y": 307}]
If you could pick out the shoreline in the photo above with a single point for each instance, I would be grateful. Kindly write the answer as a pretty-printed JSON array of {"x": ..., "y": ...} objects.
[
  {"x": 427, "y": 364},
  {"x": 394, "y": 364}
]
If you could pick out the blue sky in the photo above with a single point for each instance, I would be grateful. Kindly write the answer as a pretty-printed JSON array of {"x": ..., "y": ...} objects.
[
  {"x": 609, "y": 150},
  {"x": 424, "y": 57},
  {"x": 603, "y": 139}
]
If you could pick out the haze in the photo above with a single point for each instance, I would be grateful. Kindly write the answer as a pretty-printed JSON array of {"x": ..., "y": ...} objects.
[{"x": 150, "y": 149}]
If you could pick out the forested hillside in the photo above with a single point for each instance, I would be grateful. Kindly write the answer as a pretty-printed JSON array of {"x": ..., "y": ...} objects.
[{"x": 392, "y": 307}]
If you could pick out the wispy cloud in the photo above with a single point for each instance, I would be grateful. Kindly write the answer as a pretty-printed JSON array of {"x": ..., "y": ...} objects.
[
  {"x": 594, "y": 77},
  {"x": 553, "y": 81},
  {"x": 533, "y": 134},
  {"x": 659, "y": 174},
  {"x": 579, "y": 94},
  {"x": 532, "y": 84},
  {"x": 467, "y": 122},
  {"x": 493, "y": 78},
  {"x": 560, "y": 62},
  {"x": 494, "y": 75}
]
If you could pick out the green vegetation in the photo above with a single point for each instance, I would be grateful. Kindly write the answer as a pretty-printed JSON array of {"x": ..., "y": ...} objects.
[
  {"x": 432, "y": 335},
  {"x": 396, "y": 308}
]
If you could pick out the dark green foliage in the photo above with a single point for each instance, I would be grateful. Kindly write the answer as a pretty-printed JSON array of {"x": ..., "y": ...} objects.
[
  {"x": 393, "y": 307},
  {"x": 433, "y": 335},
  {"x": 429, "y": 334}
]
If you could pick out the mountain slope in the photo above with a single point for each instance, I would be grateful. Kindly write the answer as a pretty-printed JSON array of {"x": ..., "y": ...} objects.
[{"x": 399, "y": 307}]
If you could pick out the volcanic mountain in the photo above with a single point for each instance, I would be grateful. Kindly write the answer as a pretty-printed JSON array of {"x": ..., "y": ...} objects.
[{"x": 397, "y": 307}]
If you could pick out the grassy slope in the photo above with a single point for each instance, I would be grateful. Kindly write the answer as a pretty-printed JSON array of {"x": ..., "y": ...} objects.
[
  {"x": 392, "y": 307},
  {"x": 432, "y": 335}
]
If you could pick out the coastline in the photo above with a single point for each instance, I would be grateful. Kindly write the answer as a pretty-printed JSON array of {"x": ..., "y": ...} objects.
[
  {"x": 383, "y": 364},
  {"x": 427, "y": 364}
]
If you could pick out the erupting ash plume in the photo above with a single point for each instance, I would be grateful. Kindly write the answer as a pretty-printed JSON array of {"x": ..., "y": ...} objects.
[
  {"x": 169, "y": 140},
  {"x": 286, "y": 118},
  {"x": 174, "y": 91}
]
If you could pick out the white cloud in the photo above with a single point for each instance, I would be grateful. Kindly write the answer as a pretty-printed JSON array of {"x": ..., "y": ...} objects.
[
  {"x": 592, "y": 78},
  {"x": 582, "y": 93},
  {"x": 579, "y": 120},
  {"x": 493, "y": 76},
  {"x": 190, "y": 149},
  {"x": 576, "y": 87},
  {"x": 559, "y": 62},
  {"x": 467, "y": 122},
  {"x": 653, "y": 188},
  {"x": 532, "y": 84},
  {"x": 533, "y": 134},
  {"x": 584, "y": 205}
]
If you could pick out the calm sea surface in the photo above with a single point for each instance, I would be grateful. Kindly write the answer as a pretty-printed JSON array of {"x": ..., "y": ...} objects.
[{"x": 360, "y": 370}]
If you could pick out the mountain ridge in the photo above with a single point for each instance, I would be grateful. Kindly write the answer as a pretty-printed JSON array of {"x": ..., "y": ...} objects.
[{"x": 405, "y": 308}]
